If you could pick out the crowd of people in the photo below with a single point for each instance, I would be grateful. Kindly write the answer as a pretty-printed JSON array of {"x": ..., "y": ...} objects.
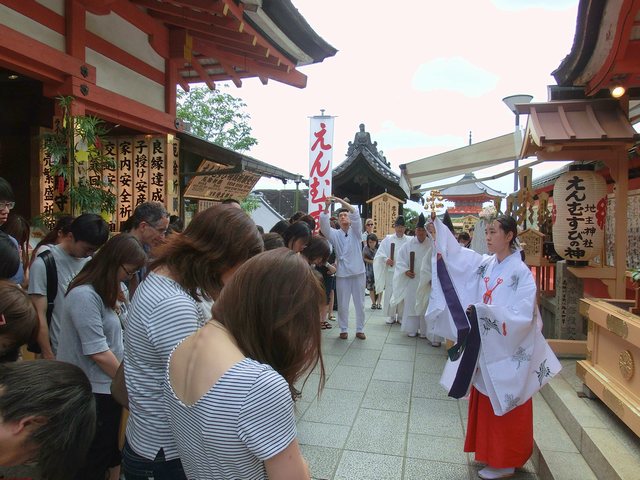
[{"x": 202, "y": 333}]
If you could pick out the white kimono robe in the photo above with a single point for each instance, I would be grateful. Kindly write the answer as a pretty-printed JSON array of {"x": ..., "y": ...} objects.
[
  {"x": 515, "y": 360},
  {"x": 384, "y": 274},
  {"x": 405, "y": 288}
]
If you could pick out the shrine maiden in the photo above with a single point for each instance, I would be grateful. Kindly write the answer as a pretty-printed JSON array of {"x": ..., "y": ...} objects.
[
  {"x": 384, "y": 268},
  {"x": 512, "y": 359}
]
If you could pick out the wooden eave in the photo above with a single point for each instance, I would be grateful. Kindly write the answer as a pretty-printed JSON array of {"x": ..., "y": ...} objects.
[
  {"x": 606, "y": 48},
  {"x": 218, "y": 43},
  {"x": 581, "y": 126}
]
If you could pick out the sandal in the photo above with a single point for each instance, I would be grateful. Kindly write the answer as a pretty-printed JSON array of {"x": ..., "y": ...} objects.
[
  {"x": 332, "y": 317},
  {"x": 325, "y": 326}
]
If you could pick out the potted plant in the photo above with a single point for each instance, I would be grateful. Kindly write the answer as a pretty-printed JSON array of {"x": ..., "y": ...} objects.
[{"x": 79, "y": 165}]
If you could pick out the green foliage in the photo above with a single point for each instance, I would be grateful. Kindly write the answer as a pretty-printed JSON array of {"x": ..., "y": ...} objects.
[
  {"x": 217, "y": 117},
  {"x": 75, "y": 151},
  {"x": 635, "y": 276},
  {"x": 250, "y": 203},
  {"x": 410, "y": 218}
]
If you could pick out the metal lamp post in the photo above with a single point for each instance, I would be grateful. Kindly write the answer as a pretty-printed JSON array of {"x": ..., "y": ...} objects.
[{"x": 511, "y": 101}]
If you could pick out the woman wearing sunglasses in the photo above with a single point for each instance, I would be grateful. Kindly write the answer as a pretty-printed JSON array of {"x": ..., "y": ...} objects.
[{"x": 91, "y": 338}]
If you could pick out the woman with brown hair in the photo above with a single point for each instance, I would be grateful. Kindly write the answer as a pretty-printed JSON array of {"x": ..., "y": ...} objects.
[
  {"x": 230, "y": 387},
  {"x": 189, "y": 267},
  {"x": 18, "y": 320},
  {"x": 94, "y": 315}
]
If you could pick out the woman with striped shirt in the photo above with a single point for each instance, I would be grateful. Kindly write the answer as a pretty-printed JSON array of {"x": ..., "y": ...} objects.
[
  {"x": 230, "y": 389},
  {"x": 190, "y": 267}
]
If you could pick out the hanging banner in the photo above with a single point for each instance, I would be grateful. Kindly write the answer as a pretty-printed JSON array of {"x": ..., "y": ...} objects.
[
  {"x": 172, "y": 175},
  {"x": 141, "y": 169},
  {"x": 320, "y": 164},
  {"x": 110, "y": 150},
  {"x": 125, "y": 179},
  {"x": 157, "y": 164}
]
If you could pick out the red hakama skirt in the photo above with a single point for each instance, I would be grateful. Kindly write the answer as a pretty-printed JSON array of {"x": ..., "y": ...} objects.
[{"x": 500, "y": 442}]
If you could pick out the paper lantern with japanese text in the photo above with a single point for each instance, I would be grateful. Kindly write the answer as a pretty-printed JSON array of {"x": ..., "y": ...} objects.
[{"x": 580, "y": 198}]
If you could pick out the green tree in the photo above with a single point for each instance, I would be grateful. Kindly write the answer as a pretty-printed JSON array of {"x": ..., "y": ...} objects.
[
  {"x": 217, "y": 116},
  {"x": 250, "y": 203},
  {"x": 410, "y": 218}
]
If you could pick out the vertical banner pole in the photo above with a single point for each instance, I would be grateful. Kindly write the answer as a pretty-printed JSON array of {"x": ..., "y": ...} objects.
[{"x": 320, "y": 164}]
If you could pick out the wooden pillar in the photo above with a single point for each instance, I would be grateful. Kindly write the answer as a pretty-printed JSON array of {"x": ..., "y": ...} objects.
[{"x": 622, "y": 192}]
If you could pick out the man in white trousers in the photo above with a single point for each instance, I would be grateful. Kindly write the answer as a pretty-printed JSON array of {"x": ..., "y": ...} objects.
[
  {"x": 384, "y": 266},
  {"x": 350, "y": 273}
]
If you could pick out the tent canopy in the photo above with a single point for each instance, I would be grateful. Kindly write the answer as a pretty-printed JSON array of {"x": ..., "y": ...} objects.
[{"x": 471, "y": 158}]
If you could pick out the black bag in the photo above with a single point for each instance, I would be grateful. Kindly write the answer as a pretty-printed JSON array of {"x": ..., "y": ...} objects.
[{"x": 52, "y": 291}]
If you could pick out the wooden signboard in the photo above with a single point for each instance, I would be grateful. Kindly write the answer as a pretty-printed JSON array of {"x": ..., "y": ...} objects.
[{"x": 385, "y": 209}]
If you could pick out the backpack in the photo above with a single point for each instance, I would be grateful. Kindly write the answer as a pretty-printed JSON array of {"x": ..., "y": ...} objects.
[{"x": 52, "y": 291}]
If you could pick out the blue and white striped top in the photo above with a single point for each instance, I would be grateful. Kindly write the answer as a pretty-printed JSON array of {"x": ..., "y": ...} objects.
[
  {"x": 244, "y": 419},
  {"x": 162, "y": 314}
]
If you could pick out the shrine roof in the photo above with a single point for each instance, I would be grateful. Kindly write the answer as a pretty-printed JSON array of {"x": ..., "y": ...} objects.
[
  {"x": 605, "y": 50},
  {"x": 580, "y": 123},
  {"x": 467, "y": 186},
  {"x": 210, "y": 151},
  {"x": 223, "y": 40},
  {"x": 363, "y": 148}
]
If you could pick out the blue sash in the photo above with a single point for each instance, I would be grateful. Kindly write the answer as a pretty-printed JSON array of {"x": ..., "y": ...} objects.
[{"x": 468, "y": 340}]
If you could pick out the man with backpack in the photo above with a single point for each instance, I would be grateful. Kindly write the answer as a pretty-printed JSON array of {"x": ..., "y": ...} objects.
[{"x": 54, "y": 269}]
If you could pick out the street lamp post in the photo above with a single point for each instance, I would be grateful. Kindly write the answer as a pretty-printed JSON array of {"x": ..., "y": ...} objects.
[{"x": 511, "y": 101}]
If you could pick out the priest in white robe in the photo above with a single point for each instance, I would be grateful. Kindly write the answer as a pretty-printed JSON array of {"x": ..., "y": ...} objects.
[
  {"x": 406, "y": 280},
  {"x": 384, "y": 268}
]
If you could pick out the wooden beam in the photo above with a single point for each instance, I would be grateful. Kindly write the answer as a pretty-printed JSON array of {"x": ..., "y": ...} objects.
[
  {"x": 204, "y": 76},
  {"x": 293, "y": 77},
  {"x": 211, "y": 6},
  {"x": 132, "y": 62},
  {"x": 115, "y": 108},
  {"x": 39, "y": 13},
  {"x": 75, "y": 29},
  {"x": 170, "y": 85},
  {"x": 158, "y": 34},
  {"x": 232, "y": 73},
  {"x": 201, "y": 16},
  {"x": 37, "y": 59},
  {"x": 240, "y": 40},
  {"x": 238, "y": 12}
]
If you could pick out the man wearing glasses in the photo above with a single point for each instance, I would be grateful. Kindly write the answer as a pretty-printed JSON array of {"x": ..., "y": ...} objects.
[
  {"x": 7, "y": 202},
  {"x": 148, "y": 224}
]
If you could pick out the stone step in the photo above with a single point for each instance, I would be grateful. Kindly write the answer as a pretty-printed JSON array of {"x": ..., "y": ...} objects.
[
  {"x": 610, "y": 448},
  {"x": 555, "y": 457}
]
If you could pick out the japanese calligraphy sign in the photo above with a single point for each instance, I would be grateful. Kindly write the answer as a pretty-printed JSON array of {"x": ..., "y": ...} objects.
[
  {"x": 385, "y": 209},
  {"x": 141, "y": 169},
  {"x": 173, "y": 179},
  {"x": 110, "y": 150},
  {"x": 52, "y": 198},
  {"x": 157, "y": 169},
  {"x": 125, "y": 183},
  {"x": 320, "y": 164},
  {"x": 580, "y": 198},
  {"x": 220, "y": 187}
]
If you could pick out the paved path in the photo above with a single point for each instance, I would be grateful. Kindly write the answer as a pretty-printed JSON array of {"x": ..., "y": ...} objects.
[{"x": 383, "y": 414}]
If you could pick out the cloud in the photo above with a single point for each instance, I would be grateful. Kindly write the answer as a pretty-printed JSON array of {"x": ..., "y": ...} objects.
[
  {"x": 454, "y": 74},
  {"x": 392, "y": 137},
  {"x": 514, "y": 5}
]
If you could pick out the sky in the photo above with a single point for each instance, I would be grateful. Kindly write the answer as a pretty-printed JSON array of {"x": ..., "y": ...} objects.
[{"x": 419, "y": 74}]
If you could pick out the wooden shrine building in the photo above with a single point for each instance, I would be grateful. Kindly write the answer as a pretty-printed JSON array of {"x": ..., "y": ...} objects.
[
  {"x": 365, "y": 173},
  {"x": 121, "y": 61}
]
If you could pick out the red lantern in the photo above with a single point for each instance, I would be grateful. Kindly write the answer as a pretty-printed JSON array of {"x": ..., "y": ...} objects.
[{"x": 580, "y": 202}]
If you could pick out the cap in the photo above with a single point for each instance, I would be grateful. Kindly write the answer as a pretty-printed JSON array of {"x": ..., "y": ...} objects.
[{"x": 399, "y": 221}]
